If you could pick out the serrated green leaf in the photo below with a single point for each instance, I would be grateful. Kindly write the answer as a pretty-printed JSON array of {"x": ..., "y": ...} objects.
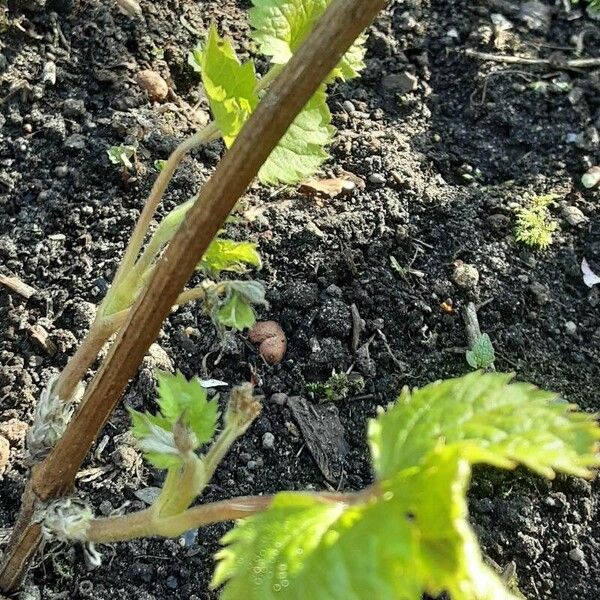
[
  {"x": 230, "y": 86},
  {"x": 414, "y": 537},
  {"x": 280, "y": 27},
  {"x": 186, "y": 401},
  {"x": 229, "y": 255},
  {"x": 236, "y": 312},
  {"x": 301, "y": 150},
  {"x": 492, "y": 420}
]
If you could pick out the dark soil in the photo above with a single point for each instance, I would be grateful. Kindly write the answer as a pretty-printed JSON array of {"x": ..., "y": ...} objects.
[{"x": 445, "y": 166}]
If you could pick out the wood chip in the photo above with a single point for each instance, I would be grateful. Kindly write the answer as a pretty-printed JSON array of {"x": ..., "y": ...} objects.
[
  {"x": 16, "y": 285},
  {"x": 40, "y": 336},
  {"x": 4, "y": 453},
  {"x": 324, "y": 435}
]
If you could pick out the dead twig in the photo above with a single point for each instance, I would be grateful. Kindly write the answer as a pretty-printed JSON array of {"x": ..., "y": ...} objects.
[
  {"x": 574, "y": 63},
  {"x": 16, "y": 285}
]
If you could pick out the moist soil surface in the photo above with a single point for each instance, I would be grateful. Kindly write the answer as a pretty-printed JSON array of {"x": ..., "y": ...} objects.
[{"x": 448, "y": 146}]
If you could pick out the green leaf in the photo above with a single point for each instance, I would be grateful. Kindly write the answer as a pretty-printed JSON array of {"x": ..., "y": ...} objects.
[
  {"x": 229, "y": 255},
  {"x": 230, "y": 86},
  {"x": 121, "y": 155},
  {"x": 280, "y": 27},
  {"x": 413, "y": 537},
  {"x": 169, "y": 226},
  {"x": 186, "y": 401},
  {"x": 492, "y": 420},
  {"x": 159, "y": 164},
  {"x": 482, "y": 355},
  {"x": 155, "y": 439},
  {"x": 194, "y": 58},
  {"x": 236, "y": 312},
  {"x": 252, "y": 291},
  {"x": 301, "y": 151}
]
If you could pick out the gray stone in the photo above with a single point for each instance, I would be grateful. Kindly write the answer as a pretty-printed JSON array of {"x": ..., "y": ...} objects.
[
  {"x": 377, "y": 178},
  {"x": 576, "y": 555},
  {"x": 573, "y": 216},
  {"x": 465, "y": 276},
  {"x": 279, "y": 398},
  {"x": 75, "y": 142},
  {"x": 570, "y": 328},
  {"x": 401, "y": 83},
  {"x": 268, "y": 441},
  {"x": 73, "y": 108},
  {"x": 540, "y": 293}
]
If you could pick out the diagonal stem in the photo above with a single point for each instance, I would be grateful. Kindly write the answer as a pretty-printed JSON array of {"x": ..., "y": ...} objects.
[{"x": 340, "y": 25}]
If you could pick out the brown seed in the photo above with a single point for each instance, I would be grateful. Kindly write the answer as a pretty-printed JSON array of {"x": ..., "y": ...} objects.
[
  {"x": 263, "y": 330},
  {"x": 153, "y": 84},
  {"x": 271, "y": 339}
]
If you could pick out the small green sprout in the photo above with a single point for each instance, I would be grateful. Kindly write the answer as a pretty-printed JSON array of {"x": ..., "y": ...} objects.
[
  {"x": 482, "y": 355},
  {"x": 159, "y": 164},
  {"x": 122, "y": 155},
  {"x": 158, "y": 53},
  {"x": 535, "y": 225},
  {"x": 338, "y": 387}
]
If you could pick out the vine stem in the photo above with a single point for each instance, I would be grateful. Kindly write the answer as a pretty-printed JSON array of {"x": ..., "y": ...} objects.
[
  {"x": 103, "y": 328},
  {"x": 100, "y": 333},
  {"x": 322, "y": 49},
  {"x": 145, "y": 524},
  {"x": 209, "y": 133}
]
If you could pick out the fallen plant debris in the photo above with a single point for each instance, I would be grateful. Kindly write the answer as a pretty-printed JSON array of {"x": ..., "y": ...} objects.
[
  {"x": 17, "y": 286},
  {"x": 329, "y": 188},
  {"x": 589, "y": 277}
]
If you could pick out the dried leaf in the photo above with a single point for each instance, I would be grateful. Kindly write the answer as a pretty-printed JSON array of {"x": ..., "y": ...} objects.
[{"x": 326, "y": 187}]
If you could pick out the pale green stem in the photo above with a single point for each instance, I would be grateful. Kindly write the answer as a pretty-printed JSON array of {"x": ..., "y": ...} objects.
[
  {"x": 144, "y": 524},
  {"x": 269, "y": 77},
  {"x": 180, "y": 488},
  {"x": 209, "y": 133}
]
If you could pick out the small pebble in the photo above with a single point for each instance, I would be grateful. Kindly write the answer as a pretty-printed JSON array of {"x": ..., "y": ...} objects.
[
  {"x": 540, "y": 293},
  {"x": 401, "y": 83},
  {"x": 465, "y": 276},
  {"x": 279, "y": 398},
  {"x": 49, "y": 73},
  {"x": 61, "y": 171},
  {"x": 377, "y": 178},
  {"x": 268, "y": 441},
  {"x": 172, "y": 582},
  {"x": 576, "y": 555},
  {"x": 573, "y": 216},
  {"x": 75, "y": 142},
  {"x": 570, "y": 328},
  {"x": 153, "y": 84},
  {"x": 349, "y": 107},
  {"x": 73, "y": 108}
]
